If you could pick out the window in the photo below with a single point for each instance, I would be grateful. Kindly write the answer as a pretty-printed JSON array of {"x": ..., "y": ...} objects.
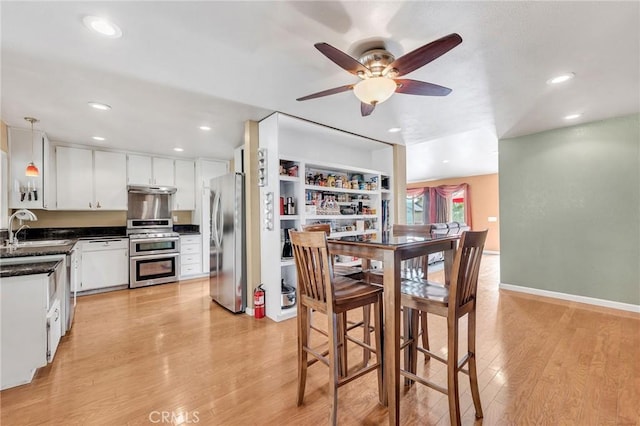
[
  {"x": 457, "y": 206},
  {"x": 415, "y": 210}
]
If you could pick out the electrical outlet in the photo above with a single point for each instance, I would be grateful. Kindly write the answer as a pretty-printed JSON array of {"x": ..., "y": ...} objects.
[
  {"x": 492, "y": 219},
  {"x": 175, "y": 219}
]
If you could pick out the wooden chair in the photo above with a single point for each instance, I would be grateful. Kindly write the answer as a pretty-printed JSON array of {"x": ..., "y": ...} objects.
[
  {"x": 320, "y": 290},
  {"x": 366, "y": 312},
  {"x": 453, "y": 302}
]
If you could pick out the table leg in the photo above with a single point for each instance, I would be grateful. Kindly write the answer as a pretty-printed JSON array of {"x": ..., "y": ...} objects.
[{"x": 392, "y": 333}]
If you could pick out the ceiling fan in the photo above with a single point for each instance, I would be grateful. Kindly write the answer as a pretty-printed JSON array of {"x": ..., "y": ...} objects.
[{"x": 378, "y": 71}]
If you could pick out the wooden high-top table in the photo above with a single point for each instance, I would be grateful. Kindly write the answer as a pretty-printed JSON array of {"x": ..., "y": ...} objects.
[{"x": 391, "y": 251}]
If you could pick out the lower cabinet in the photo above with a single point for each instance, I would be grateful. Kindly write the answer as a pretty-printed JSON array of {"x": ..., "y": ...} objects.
[
  {"x": 105, "y": 263},
  {"x": 190, "y": 256},
  {"x": 31, "y": 321}
]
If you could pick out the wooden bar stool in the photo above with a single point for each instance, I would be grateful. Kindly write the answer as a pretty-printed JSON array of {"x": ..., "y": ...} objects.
[
  {"x": 453, "y": 302},
  {"x": 320, "y": 290}
]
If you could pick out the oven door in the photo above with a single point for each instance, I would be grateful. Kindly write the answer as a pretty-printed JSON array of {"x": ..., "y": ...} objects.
[
  {"x": 153, "y": 269},
  {"x": 146, "y": 246}
]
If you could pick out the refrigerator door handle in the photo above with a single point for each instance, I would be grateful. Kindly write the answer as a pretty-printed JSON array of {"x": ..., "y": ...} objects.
[
  {"x": 221, "y": 230},
  {"x": 214, "y": 222}
]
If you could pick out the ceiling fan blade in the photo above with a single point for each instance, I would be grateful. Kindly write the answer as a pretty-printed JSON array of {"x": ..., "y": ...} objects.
[
  {"x": 422, "y": 88},
  {"x": 343, "y": 60},
  {"x": 366, "y": 109},
  {"x": 327, "y": 92},
  {"x": 423, "y": 55}
]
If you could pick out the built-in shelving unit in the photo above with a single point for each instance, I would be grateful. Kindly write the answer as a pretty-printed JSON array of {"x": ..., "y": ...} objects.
[{"x": 306, "y": 189}]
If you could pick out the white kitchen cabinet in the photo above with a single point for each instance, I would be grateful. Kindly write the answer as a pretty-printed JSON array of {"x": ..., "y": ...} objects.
[
  {"x": 190, "y": 256},
  {"x": 27, "y": 192},
  {"x": 185, "y": 196},
  {"x": 110, "y": 171},
  {"x": 90, "y": 180},
  {"x": 163, "y": 172},
  {"x": 104, "y": 263},
  {"x": 31, "y": 321},
  {"x": 146, "y": 170}
]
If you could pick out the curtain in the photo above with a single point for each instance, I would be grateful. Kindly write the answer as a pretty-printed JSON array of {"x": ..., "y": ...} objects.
[{"x": 438, "y": 199}]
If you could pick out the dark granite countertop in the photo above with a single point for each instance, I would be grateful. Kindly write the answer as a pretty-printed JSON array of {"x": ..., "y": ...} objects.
[
  {"x": 8, "y": 252},
  {"x": 187, "y": 229},
  {"x": 34, "y": 268}
]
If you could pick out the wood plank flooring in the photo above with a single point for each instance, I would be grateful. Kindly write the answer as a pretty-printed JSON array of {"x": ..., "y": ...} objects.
[{"x": 134, "y": 354}]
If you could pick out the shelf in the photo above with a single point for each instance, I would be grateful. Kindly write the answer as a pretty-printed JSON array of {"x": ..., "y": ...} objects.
[
  {"x": 287, "y": 262},
  {"x": 352, "y": 263},
  {"x": 334, "y": 189},
  {"x": 341, "y": 216},
  {"x": 385, "y": 191},
  {"x": 289, "y": 217},
  {"x": 287, "y": 178},
  {"x": 286, "y": 314}
]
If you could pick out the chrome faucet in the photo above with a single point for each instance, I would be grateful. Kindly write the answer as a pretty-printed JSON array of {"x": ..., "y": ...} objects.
[
  {"x": 15, "y": 234},
  {"x": 22, "y": 214}
]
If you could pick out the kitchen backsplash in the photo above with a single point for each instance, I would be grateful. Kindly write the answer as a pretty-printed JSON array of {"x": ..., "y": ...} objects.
[{"x": 68, "y": 219}]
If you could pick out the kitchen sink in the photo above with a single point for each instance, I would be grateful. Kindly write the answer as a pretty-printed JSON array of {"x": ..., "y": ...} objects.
[{"x": 43, "y": 243}]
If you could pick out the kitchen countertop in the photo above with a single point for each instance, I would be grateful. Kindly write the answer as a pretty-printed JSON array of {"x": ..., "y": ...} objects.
[
  {"x": 8, "y": 252},
  {"x": 34, "y": 268}
]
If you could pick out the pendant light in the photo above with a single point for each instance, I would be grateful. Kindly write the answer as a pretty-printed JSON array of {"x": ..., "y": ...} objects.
[{"x": 32, "y": 170}]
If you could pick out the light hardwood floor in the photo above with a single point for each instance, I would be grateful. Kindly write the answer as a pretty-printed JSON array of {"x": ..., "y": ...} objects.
[{"x": 134, "y": 354}]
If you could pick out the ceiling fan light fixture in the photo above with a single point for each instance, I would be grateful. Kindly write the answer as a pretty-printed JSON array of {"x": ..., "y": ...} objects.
[{"x": 374, "y": 90}]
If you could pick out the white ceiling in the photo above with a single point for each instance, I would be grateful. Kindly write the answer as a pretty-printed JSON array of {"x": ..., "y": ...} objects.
[{"x": 180, "y": 65}]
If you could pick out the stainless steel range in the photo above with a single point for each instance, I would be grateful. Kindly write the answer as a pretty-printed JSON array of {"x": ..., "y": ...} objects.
[
  {"x": 154, "y": 252},
  {"x": 154, "y": 249}
]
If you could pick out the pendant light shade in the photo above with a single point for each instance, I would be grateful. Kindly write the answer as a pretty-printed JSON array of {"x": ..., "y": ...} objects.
[
  {"x": 374, "y": 90},
  {"x": 32, "y": 170}
]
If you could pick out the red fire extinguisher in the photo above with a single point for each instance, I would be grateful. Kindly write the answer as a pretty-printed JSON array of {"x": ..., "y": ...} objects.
[{"x": 258, "y": 302}]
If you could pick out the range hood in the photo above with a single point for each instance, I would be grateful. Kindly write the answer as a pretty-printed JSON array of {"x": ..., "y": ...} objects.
[{"x": 148, "y": 189}]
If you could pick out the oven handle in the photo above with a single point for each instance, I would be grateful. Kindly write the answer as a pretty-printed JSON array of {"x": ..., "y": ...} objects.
[
  {"x": 153, "y": 240},
  {"x": 155, "y": 256}
]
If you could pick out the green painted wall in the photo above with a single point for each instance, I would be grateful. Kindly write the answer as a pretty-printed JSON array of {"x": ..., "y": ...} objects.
[{"x": 570, "y": 210}]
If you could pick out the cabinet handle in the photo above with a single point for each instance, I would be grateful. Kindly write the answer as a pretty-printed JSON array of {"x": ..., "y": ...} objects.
[
  {"x": 89, "y": 204},
  {"x": 98, "y": 206}
]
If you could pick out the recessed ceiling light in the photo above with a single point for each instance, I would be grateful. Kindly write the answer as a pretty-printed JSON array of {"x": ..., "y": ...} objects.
[
  {"x": 102, "y": 26},
  {"x": 97, "y": 138},
  {"x": 205, "y": 128},
  {"x": 561, "y": 78},
  {"x": 572, "y": 116},
  {"x": 178, "y": 149},
  {"x": 445, "y": 161},
  {"x": 394, "y": 130},
  {"x": 98, "y": 105}
]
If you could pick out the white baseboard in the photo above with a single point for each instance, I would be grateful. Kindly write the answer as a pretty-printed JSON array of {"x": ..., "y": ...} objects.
[
  {"x": 490, "y": 252},
  {"x": 572, "y": 297},
  {"x": 249, "y": 311}
]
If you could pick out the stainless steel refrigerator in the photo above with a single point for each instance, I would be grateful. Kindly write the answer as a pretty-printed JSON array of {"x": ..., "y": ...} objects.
[{"x": 227, "y": 277}]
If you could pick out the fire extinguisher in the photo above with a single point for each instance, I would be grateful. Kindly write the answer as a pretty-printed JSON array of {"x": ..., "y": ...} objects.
[{"x": 258, "y": 302}]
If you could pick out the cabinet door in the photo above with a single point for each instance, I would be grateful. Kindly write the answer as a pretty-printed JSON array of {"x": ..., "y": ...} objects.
[
  {"x": 163, "y": 172},
  {"x": 110, "y": 177},
  {"x": 139, "y": 170},
  {"x": 185, "y": 197},
  {"x": 74, "y": 178},
  {"x": 104, "y": 268},
  {"x": 24, "y": 148}
]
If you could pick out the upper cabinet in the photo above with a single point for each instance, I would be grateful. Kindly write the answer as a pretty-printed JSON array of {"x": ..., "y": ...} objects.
[
  {"x": 185, "y": 196},
  {"x": 146, "y": 170},
  {"x": 90, "y": 180},
  {"x": 24, "y": 147}
]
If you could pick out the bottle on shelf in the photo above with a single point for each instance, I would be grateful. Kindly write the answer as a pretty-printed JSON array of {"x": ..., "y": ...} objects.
[{"x": 287, "y": 249}]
